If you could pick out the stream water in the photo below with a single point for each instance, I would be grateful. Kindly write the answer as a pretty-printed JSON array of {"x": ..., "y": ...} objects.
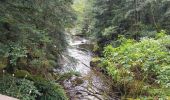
[{"x": 90, "y": 84}]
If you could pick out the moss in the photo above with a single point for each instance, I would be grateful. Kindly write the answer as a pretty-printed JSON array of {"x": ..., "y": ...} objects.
[
  {"x": 2, "y": 66},
  {"x": 68, "y": 75},
  {"x": 77, "y": 81},
  {"x": 95, "y": 61},
  {"x": 3, "y": 63},
  {"x": 22, "y": 62},
  {"x": 22, "y": 73}
]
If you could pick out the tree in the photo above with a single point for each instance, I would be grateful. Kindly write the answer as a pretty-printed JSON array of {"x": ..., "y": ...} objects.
[
  {"x": 132, "y": 18},
  {"x": 33, "y": 31}
]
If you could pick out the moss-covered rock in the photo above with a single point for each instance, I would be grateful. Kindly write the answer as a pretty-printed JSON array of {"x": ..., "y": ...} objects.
[
  {"x": 22, "y": 73},
  {"x": 67, "y": 75},
  {"x": 95, "y": 61},
  {"x": 77, "y": 81},
  {"x": 3, "y": 63}
]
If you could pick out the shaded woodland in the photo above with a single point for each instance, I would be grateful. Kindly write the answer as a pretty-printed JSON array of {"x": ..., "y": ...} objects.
[{"x": 131, "y": 44}]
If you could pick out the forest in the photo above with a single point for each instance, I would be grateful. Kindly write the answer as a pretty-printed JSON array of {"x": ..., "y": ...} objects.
[{"x": 85, "y": 49}]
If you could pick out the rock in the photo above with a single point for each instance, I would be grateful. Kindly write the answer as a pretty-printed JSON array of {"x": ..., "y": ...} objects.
[
  {"x": 22, "y": 73},
  {"x": 86, "y": 46},
  {"x": 3, "y": 97},
  {"x": 77, "y": 81},
  {"x": 95, "y": 62},
  {"x": 78, "y": 93}
]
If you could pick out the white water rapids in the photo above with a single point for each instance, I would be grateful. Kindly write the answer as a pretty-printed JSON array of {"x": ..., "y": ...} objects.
[{"x": 91, "y": 84}]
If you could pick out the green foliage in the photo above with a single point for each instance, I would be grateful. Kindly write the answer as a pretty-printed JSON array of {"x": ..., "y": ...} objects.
[
  {"x": 107, "y": 19},
  {"x": 36, "y": 89},
  {"x": 15, "y": 52},
  {"x": 68, "y": 75},
  {"x": 138, "y": 66},
  {"x": 161, "y": 34},
  {"x": 84, "y": 16},
  {"x": 20, "y": 88},
  {"x": 32, "y": 37},
  {"x": 49, "y": 90},
  {"x": 32, "y": 30}
]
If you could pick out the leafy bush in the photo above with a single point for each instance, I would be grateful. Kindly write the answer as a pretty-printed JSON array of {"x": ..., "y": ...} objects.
[
  {"x": 137, "y": 66},
  {"x": 15, "y": 51},
  {"x": 20, "y": 88},
  {"x": 37, "y": 89},
  {"x": 49, "y": 90}
]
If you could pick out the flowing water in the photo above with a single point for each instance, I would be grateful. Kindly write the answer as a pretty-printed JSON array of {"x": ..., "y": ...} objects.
[{"x": 90, "y": 84}]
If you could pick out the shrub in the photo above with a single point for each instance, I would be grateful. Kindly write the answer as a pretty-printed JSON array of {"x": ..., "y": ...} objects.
[
  {"x": 49, "y": 90},
  {"x": 30, "y": 87},
  {"x": 137, "y": 66},
  {"x": 20, "y": 88}
]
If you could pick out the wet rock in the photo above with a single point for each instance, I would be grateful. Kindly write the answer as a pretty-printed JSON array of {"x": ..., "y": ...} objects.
[
  {"x": 86, "y": 46},
  {"x": 77, "y": 81},
  {"x": 78, "y": 93},
  {"x": 95, "y": 62}
]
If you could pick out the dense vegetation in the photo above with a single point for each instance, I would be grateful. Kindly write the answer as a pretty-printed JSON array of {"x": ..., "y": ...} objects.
[
  {"x": 131, "y": 42},
  {"x": 107, "y": 19},
  {"x": 139, "y": 68},
  {"x": 31, "y": 40}
]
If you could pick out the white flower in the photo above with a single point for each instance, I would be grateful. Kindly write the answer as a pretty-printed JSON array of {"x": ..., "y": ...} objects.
[
  {"x": 30, "y": 92},
  {"x": 26, "y": 75}
]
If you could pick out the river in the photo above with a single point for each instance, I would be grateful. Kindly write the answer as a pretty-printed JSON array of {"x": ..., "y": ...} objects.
[{"x": 90, "y": 84}]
